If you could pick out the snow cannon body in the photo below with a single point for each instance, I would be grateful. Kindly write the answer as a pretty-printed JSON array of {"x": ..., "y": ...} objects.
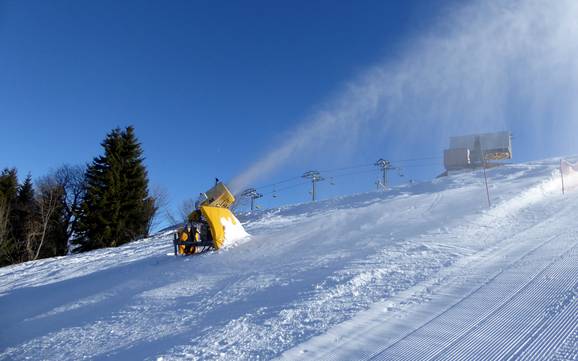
[{"x": 210, "y": 225}]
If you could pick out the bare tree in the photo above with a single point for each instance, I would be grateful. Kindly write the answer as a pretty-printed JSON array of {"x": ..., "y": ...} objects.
[
  {"x": 32, "y": 242},
  {"x": 160, "y": 201},
  {"x": 71, "y": 179},
  {"x": 182, "y": 212},
  {"x": 48, "y": 200},
  {"x": 186, "y": 208},
  {"x": 170, "y": 217}
]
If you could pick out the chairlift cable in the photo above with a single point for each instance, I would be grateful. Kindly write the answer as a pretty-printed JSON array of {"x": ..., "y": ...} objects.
[{"x": 275, "y": 191}]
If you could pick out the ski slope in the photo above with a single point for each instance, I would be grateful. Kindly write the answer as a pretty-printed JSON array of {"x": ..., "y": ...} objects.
[{"x": 422, "y": 272}]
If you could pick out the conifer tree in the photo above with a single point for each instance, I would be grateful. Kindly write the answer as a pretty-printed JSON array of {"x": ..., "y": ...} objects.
[
  {"x": 116, "y": 208},
  {"x": 24, "y": 214},
  {"x": 8, "y": 194},
  {"x": 9, "y": 184}
]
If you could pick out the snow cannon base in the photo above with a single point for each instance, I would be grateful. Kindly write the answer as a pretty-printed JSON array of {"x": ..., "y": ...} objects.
[{"x": 207, "y": 229}]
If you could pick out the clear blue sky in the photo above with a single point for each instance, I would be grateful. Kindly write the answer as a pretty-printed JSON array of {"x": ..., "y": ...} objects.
[{"x": 208, "y": 85}]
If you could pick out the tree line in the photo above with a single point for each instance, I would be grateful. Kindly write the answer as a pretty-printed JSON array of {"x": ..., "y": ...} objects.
[{"x": 75, "y": 209}]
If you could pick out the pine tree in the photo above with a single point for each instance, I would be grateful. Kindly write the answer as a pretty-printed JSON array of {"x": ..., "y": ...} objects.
[
  {"x": 24, "y": 215},
  {"x": 9, "y": 184},
  {"x": 8, "y": 194},
  {"x": 116, "y": 208}
]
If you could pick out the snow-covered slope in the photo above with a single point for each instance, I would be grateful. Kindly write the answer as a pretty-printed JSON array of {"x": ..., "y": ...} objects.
[{"x": 426, "y": 271}]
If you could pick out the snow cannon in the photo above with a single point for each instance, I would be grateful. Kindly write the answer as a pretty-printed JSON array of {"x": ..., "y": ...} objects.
[{"x": 211, "y": 225}]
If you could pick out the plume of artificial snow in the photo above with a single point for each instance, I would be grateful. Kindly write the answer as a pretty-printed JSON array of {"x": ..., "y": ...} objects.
[{"x": 468, "y": 73}]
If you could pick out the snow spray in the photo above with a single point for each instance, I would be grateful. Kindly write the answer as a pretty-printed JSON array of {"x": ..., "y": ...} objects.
[{"x": 487, "y": 65}]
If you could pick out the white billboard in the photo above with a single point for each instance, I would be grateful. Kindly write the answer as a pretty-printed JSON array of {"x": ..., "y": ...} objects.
[{"x": 495, "y": 146}]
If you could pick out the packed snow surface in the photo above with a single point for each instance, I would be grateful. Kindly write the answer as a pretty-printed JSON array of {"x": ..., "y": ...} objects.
[{"x": 421, "y": 272}]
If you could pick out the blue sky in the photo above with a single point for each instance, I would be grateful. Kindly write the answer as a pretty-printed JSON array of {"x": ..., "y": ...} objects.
[{"x": 210, "y": 86}]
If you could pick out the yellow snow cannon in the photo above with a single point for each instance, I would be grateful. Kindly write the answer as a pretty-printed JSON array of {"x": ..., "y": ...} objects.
[{"x": 211, "y": 225}]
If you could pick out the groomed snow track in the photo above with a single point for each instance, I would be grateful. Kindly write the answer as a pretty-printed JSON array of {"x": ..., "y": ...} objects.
[{"x": 527, "y": 311}]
